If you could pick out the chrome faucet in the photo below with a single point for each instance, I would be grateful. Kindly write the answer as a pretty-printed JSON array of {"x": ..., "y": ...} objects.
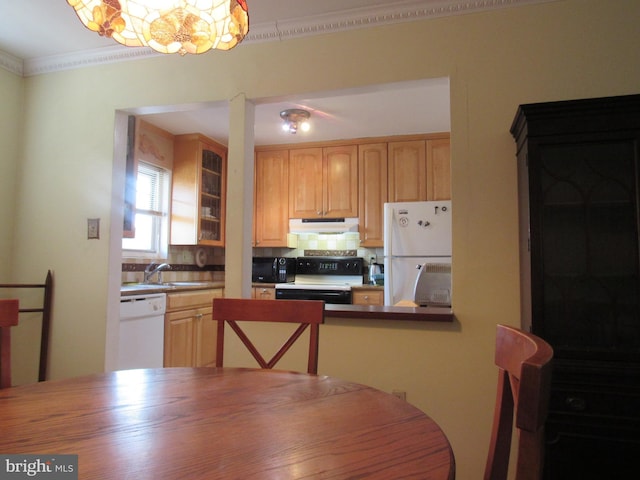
[{"x": 150, "y": 271}]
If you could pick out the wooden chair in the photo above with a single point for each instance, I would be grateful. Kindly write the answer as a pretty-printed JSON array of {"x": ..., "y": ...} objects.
[
  {"x": 524, "y": 380},
  {"x": 308, "y": 313},
  {"x": 8, "y": 318}
]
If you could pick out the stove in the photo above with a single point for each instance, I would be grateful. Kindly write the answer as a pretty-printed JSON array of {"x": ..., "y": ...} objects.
[{"x": 323, "y": 278}]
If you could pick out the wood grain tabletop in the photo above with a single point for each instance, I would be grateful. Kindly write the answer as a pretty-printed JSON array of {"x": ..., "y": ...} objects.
[{"x": 223, "y": 423}]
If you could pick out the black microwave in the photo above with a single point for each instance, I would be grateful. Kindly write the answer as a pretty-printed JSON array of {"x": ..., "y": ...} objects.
[{"x": 273, "y": 270}]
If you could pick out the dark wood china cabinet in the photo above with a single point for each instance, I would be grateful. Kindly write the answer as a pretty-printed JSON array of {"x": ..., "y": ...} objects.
[{"x": 578, "y": 172}]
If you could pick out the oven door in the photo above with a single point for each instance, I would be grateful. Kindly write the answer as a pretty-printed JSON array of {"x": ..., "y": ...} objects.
[{"x": 328, "y": 295}]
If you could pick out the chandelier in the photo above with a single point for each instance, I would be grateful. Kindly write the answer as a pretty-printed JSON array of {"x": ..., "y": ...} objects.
[
  {"x": 294, "y": 119},
  {"x": 167, "y": 26}
]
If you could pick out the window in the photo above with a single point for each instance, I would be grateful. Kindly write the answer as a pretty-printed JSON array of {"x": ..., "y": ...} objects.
[{"x": 151, "y": 214}]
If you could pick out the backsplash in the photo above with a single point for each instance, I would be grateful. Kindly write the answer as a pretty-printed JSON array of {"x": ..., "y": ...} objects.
[
  {"x": 184, "y": 268},
  {"x": 328, "y": 245},
  {"x": 320, "y": 241}
]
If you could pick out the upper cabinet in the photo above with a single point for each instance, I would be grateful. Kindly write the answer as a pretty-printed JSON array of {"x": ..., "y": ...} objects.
[
  {"x": 323, "y": 182},
  {"x": 346, "y": 180},
  {"x": 199, "y": 191},
  {"x": 420, "y": 170},
  {"x": 407, "y": 171},
  {"x": 438, "y": 169},
  {"x": 372, "y": 192},
  {"x": 271, "y": 212},
  {"x": 340, "y": 179}
]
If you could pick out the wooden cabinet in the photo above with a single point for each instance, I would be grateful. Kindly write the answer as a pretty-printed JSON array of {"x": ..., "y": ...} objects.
[
  {"x": 264, "y": 293},
  {"x": 438, "y": 169},
  {"x": 199, "y": 191},
  {"x": 271, "y": 212},
  {"x": 407, "y": 171},
  {"x": 372, "y": 192},
  {"x": 323, "y": 182},
  {"x": 400, "y": 171},
  {"x": 365, "y": 296},
  {"x": 578, "y": 178},
  {"x": 190, "y": 332},
  {"x": 420, "y": 170},
  {"x": 353, "y": 180}
]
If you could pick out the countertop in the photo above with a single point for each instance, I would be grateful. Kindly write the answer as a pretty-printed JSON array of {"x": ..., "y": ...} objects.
[
  {"x": 398, "y": 313},
  {"x": 139, "y": 289}
]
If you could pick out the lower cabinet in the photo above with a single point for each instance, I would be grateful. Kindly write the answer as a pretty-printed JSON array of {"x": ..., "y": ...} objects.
[
  {"x": 264, "y": 293},
  {"x": 366, "y": 296},
  {"x": 190, "y": 332}
]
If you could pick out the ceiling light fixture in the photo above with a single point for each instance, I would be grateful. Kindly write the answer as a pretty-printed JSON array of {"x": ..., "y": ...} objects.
[
  {"x": 294, "y": 119},
  {"x": 167, "y": 26}
]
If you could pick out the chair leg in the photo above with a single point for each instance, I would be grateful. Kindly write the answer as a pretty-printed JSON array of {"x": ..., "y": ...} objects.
[{"x": 498, "y": 459}]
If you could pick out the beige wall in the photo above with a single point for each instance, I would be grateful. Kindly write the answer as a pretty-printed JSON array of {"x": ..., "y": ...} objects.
[
  {"x": 11, "y": 97},
  {"x": 496, "y": 61}
]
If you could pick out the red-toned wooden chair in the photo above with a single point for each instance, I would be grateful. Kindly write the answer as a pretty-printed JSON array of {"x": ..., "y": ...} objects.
[
  {"x": 307, "y": 313},
  {"x": 8, "y": 318},
  {"x": 524, "y": 361}
]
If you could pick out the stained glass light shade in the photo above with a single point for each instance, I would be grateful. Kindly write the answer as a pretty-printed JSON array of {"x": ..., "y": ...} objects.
[{"x": 167, "y": 26}]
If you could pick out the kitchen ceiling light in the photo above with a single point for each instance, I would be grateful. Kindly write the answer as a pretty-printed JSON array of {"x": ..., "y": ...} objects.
[
  {"x": 167, "y": 26},
  {"x": 294, "y": 119}
]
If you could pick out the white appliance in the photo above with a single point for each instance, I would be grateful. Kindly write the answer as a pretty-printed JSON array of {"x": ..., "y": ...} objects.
[
  {"x": 417, "y": 234},
  {"x": 141, "y": 343},
  {"x": 323, "y": 278}
]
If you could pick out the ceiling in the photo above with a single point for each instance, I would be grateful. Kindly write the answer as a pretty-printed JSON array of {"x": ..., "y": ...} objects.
[{"x": 38, "y": 34}]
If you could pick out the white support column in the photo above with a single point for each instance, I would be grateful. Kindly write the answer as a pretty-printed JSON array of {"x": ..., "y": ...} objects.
[{"x": 239, "y": 217}]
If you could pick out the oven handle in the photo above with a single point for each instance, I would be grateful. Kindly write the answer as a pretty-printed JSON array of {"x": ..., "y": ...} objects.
[{"x": 293, "y": 294}]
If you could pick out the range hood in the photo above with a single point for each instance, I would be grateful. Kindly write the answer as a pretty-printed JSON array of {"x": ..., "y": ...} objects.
[{"x": 323, "y": 225}]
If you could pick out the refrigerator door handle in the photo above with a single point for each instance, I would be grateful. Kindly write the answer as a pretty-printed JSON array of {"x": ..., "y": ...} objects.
[{"x": 388, "y": 271}]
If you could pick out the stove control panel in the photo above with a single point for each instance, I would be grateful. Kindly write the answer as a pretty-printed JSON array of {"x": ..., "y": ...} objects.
[{"x": 330, "y": 265}]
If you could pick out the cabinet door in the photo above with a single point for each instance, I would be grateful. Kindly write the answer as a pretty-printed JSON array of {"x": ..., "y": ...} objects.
[
  {"x": 368, "y": 297},
  {"x": 340, "y": 179},
  {"x": 271, "y": 198},
  {"x": 206, "y": 335},
  {"x": 407, "y": 171},
  {"x": 584, "y": 246},
  {"x": 305, "y": 183},
  {"x": 211, "y": 209},
  {"x": 372, "y": 192},
  {"x": 264, "y": 293},
  {"x": 179, "y": 334},
  {"x": 199, "y": 192},
  {"x": 438, "y": 169}
]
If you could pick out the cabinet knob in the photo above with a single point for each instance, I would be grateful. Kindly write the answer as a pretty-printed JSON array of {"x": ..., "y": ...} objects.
[{"x": 577, "y": 404}]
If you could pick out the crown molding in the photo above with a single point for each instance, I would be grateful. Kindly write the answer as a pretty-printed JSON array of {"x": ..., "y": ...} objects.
[
  {"x": 408, "y": 11},
  {"x": 11, "y": 63}
]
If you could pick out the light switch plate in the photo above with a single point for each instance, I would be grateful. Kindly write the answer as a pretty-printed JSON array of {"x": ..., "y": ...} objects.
[{"x": 93, "y": 228}]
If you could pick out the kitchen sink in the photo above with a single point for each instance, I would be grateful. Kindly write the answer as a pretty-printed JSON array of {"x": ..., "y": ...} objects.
[
  {"x": 143, "y": 286},
  {"x": 127, "y": 287}
]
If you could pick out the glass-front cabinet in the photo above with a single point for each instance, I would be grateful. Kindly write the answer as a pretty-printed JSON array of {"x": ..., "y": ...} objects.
[
  {"x": 579, "y": 171},
  {"x": 199, "y": 191}
]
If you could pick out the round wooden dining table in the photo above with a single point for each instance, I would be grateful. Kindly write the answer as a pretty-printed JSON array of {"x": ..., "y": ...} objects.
[{"x": 225, "y": 423}]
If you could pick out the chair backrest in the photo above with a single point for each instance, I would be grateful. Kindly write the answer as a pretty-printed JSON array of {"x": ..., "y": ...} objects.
[
  {"x": 524, "y": 382},
  {"x": 307, "y": 313},
  {"x": 9, "y": 309}
]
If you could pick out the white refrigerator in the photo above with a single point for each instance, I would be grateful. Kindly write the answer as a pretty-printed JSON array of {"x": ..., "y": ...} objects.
[{"x": 416, "y": 234}]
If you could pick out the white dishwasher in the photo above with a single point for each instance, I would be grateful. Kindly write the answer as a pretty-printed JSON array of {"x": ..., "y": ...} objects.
[{"x": 141, "y": 343}]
